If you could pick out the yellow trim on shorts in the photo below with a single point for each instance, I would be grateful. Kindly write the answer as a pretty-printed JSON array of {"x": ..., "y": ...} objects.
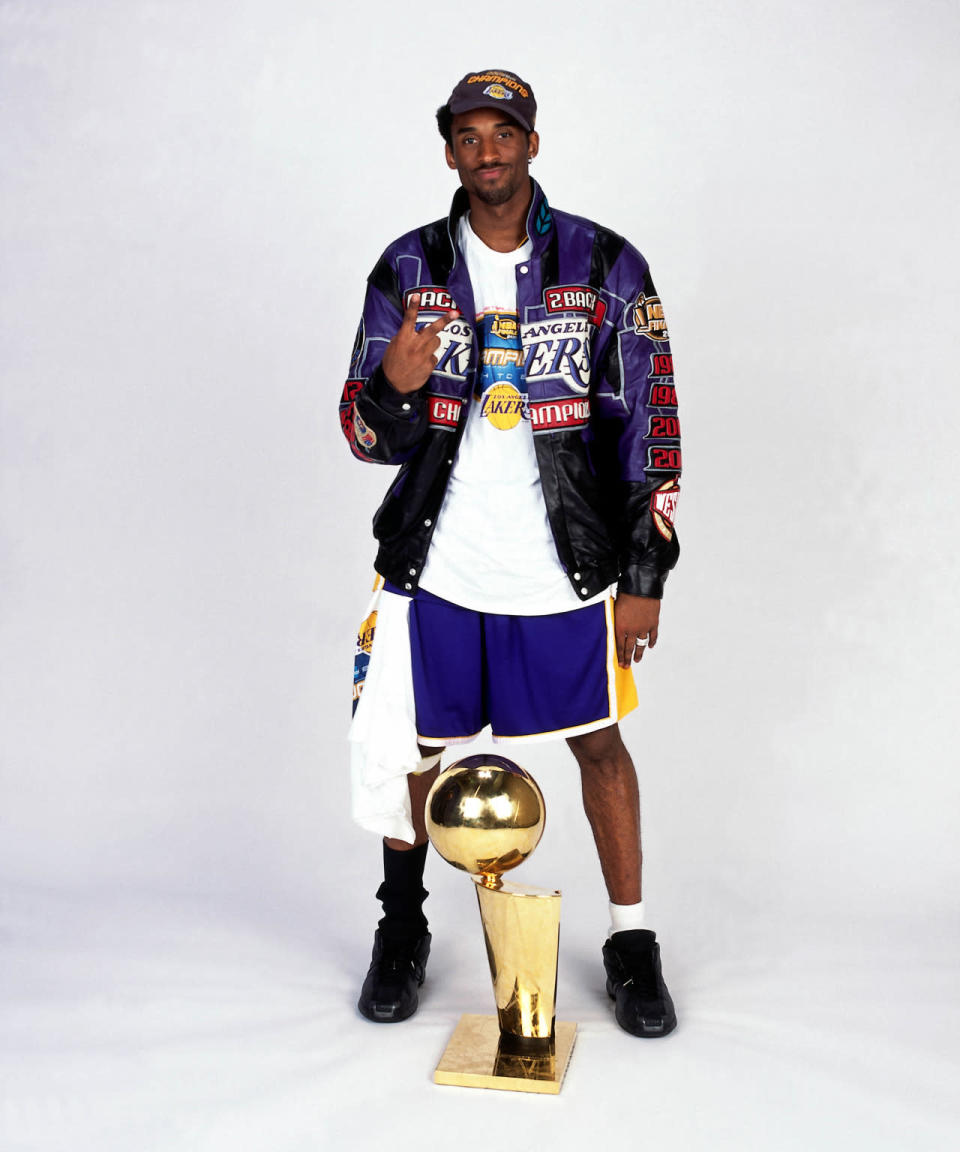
[{"x": 623, "y": 687}]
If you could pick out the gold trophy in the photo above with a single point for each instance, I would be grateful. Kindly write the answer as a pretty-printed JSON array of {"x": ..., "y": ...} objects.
[{"x": 485, "y": 815}]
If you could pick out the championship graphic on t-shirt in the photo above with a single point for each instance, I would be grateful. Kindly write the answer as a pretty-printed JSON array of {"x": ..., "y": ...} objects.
[{"x": 502, "y": 389}]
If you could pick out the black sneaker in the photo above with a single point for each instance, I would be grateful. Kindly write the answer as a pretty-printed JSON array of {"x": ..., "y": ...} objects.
[
  {"x": 397, "y": 969},
  {"x": 634, "y": 980}
]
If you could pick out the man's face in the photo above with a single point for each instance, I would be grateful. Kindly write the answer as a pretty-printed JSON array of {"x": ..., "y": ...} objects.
[{"x": 491, "y": 153}]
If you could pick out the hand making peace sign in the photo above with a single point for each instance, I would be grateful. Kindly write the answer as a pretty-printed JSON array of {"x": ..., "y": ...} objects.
[{"x": 410, "y": 355}]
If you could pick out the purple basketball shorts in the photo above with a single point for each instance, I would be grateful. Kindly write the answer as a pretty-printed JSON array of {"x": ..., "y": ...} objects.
[{"x": 528, "y": 677}]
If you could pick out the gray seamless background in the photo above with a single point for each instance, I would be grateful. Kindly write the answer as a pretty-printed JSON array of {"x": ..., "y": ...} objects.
[{"x": 192, "y": 198}]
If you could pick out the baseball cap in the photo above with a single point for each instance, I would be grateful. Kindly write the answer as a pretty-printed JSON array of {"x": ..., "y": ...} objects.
[{"x": 495, "y": 88}]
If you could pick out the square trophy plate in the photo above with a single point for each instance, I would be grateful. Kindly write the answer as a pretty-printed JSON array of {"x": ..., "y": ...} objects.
[{"x": 472, "y": 1059}]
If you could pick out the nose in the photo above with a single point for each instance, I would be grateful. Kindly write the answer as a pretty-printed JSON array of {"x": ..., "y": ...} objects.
[{"x": 489, "y": 150}]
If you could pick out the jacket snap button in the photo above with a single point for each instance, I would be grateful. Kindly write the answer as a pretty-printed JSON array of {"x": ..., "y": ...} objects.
[
  {"x": 576, "y": 575},
  {"x": 584, "y": 592},
  {"x": 524, "y": 269},
  {"x": 408, "y": 586},
  {"x": 413, "y": 571},
  {"x": 427, "y": 523},
  {"x": 405, "y": 407}
]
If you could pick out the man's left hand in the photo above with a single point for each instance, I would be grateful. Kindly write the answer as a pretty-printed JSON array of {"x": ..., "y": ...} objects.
[{"x": 634, "y": 618}]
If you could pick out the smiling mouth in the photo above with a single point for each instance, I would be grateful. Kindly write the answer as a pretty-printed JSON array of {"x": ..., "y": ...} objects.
[{"x": 490, "y": 173}]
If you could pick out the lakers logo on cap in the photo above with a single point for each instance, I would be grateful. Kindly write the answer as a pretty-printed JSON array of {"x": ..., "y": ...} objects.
[{"x": 498, "y": 92}]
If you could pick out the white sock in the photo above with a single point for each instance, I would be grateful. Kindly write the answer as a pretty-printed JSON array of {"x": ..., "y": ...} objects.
[{"x": 626, "y": 917}]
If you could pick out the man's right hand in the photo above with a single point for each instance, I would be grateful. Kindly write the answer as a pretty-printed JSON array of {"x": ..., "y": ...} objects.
[{"x": 410, "y": 356}]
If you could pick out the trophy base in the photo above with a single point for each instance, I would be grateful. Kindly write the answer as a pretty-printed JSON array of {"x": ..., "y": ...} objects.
[{"x": 473, "y": 1059}]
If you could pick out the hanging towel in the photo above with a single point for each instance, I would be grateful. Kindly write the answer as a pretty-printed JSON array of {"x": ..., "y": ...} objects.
[{"x": 383, "y": 735}]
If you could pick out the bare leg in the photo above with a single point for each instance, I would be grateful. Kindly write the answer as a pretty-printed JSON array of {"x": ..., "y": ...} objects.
[
  {"x": 419, "y": 787},
  {"x": 611, "y": 799}
]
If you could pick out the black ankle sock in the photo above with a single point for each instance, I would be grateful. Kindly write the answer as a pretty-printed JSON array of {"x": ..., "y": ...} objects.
[{"x": 402, "y": 893}]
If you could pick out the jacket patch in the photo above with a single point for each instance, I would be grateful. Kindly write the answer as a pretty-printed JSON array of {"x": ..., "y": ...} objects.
[
  {"x": 350, "y": 392},
  {"x": 663, "y": 428},
  {"x": 558, "y": 350},
  {"x": 453, "y": 355},
  {"x": 646, "y": 317},
  {"x": 576, "y": 298},
  {"x": 364, "y": 436},
  {"x": 663, "y": 396},
  {"x": 433, "y": 298},
  {"x": 664, "y": 459},
  {"x": 549, "y": 415},
  {"x": 444, "y": 411},
  {"x": 663, "y": 506}
]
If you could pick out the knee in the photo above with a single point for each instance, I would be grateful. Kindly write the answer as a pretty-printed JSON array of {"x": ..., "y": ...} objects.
[{"x": 602, "y": 751}]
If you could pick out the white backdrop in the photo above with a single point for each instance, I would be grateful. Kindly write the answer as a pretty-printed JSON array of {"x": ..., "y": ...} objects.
[{"x": 192, "y": 197}]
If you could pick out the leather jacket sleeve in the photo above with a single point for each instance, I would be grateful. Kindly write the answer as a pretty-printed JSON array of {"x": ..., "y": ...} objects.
[
  {"x": 381, "y": 425},
  {"x": 639, "y": 374}
]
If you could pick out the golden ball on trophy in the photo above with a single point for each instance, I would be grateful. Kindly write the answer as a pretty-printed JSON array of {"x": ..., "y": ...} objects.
[{"x": 485, "y": 815}]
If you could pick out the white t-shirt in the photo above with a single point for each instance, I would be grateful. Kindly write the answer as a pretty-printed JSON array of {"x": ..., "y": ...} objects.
[{"x": 492, "y": 549}]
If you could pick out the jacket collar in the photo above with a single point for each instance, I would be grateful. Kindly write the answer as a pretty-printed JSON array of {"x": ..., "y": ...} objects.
[{"x": 540, "y": 226}]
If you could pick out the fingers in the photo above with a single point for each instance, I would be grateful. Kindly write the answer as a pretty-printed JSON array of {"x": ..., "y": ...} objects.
[
  {"x": 410, "y": 312},
  {"x": 442, "y": 322},
  {"x": 631, "y": 647}
]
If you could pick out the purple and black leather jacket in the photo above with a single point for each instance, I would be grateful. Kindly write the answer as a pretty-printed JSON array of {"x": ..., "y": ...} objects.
[{"x": 600, "y": 398}]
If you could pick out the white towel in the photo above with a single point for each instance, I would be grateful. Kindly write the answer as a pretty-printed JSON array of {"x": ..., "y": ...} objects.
[{"x": 383, "y": 735}]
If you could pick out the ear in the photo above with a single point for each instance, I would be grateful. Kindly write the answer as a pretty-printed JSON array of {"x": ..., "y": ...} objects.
[
  {"x": 448, "y": 152},
  {"x": 533, "y": 145}
]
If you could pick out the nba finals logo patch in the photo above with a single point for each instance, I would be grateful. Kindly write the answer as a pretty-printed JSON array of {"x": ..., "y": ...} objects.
[
  {"x": 663, "y": 506},
  {"x": 648, "y": 319},
  {"x": 503, "y": 389}
]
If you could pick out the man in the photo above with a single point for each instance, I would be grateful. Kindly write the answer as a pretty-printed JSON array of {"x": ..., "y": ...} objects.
[{"x": 514, "y": 360}]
